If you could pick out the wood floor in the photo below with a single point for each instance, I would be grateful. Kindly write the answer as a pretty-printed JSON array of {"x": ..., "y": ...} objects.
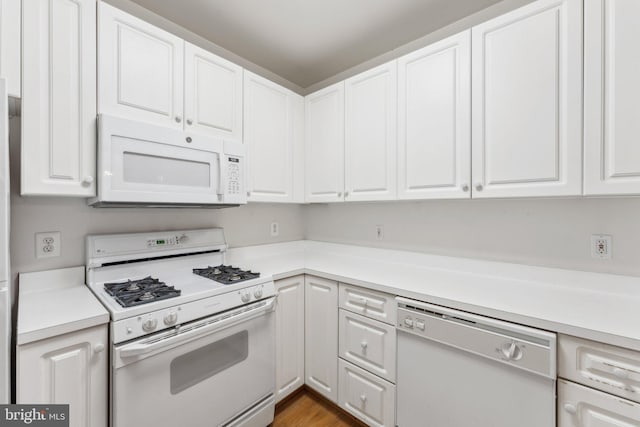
[{"x": 307, "y": 409}]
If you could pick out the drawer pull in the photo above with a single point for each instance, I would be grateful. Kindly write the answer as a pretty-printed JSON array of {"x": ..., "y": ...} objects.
[
  {"x": 570, "y": 408},
  {"x": 364, "y": 344},
  {"x": 623, "y": 374},
  {"x": 363, "y": 398},
  {"x": 362, "y": 301}
]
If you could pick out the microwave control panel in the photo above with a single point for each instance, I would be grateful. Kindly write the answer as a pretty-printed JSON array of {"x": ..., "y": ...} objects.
[{"x": 233, "y": 175}]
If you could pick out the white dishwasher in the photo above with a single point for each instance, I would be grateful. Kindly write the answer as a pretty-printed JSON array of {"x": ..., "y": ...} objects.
[{"x": 457, "y": 369}]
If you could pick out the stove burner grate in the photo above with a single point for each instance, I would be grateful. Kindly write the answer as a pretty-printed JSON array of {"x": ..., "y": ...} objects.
[
  {"x": 135, "y": 292},
  {"x": 226, "y": 274}
]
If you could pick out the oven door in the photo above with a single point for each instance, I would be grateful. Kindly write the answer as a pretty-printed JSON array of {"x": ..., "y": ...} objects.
[
  {"x": 144, "y": 163},
  {"x": 217, "y": 371}
]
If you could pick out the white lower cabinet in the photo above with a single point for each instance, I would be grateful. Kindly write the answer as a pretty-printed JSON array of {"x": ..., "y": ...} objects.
[
  {"x": 366, "y": 396},
  {"x": 368, "y": 343},
  {"x": 67, "y": 369},
  {"x": 289, "y": 336},
  {"x": 321, "y": 336},
  {"x": 580, "y": 406}
]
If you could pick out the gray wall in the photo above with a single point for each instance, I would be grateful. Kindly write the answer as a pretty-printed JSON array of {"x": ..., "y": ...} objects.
[
  {"x": 547, "y": 232},
  {"x": 246, "y": 225}
]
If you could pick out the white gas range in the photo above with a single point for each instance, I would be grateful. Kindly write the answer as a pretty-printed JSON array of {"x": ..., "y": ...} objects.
[{"x": 186, "y": 349}]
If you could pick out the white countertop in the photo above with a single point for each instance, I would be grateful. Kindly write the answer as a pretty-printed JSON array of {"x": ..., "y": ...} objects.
[
  {"x": 601, "y": 307},
  {"x": 56, "y": 302}
]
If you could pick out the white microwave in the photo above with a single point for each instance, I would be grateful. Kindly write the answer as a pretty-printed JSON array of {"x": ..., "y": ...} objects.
[{"x": 141, "y": 164}]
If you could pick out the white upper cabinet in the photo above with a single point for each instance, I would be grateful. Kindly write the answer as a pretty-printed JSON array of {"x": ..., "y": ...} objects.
[
  {"x": 434, "y": 114},
  {"x": 324, "y": 139},
  {"x": 213, "y": 94},
  {"x": 59, "y": 98},
  {"x": 140, "y": 69},
  {"x": 10, "y": 24},
  {"x": 272, "y": 138},
  {"x": 612, "y": 97},
  {"x": 371, "y": 134},
  {"x": 527, "y": 102}
]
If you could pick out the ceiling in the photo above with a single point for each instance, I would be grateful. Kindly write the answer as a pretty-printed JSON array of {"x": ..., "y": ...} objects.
[{"x": 307, "y": 41}]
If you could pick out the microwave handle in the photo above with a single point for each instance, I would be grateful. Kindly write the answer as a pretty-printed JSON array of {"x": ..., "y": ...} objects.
[
  {"x": 141, "y": 347},
  {"x": 220, "y": 186}
]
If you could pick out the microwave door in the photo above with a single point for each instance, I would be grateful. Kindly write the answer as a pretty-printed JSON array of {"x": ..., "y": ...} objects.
[{"x": 152, "y": 172}]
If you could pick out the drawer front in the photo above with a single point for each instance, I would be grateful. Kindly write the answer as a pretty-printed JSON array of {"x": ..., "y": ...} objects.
[
  {"x": 366, "y": 396},
  {"x": 368, "y": 343},
  {"x": 601, "y": 366},
  {"x": 373, "y": 304},
  {"x": 579, "y": 406}
]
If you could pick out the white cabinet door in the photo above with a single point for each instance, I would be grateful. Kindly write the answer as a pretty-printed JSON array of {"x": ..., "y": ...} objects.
[
  {"x": 321, "y": 336},
  {"x": 289, "y": 336},
  {"x": 10, "y": 24},
  {"x": 213, "y": 94},
  {"x": 366, "y": 396},
  {"x": 298, "y": 147},
  {"x": 140, "y": 69},
  {"x": 67, "y": 369},
  {"x": 371, "y": 134},
  {"x": 368, "y": 344},
  {"x": 434, "y": 120},
  {"x": 59, "y": 98},
  {"x": 580, "y": 406},
  {"x": 324, "y": 151},
  {"x": 268, "y": 133},
  {"x": 527, "y": 102},
  {"x": 612, "y": 97}
]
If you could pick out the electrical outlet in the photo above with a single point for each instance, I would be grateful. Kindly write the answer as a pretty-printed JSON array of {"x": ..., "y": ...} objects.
[
  {"x": 48, "y": 244},
  {"x": 379, "y": 232},
  {"x": 275, "y": 229},
  {"x": 601, "y": 246}
]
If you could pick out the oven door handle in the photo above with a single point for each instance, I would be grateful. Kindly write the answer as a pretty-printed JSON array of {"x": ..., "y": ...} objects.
[{"x": 205, "y": 327}]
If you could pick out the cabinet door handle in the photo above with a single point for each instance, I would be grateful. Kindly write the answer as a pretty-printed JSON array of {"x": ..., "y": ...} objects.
[
  {"x": 363, "y": 398},
  {"x": 465, "y": 187},
  {"x": 479, "y": 187},
  {"x": 189, "y": 122},
  {"x": 178, "y": 119},
  {"x": 339, "y": 194},
  {"x": 98, "y": 348},
  {"x": 88, "y": 180},
  {"x": 346, "y": 194},
  {"x": 364, "y": 345},
  {"x": 570, "y": 408}
]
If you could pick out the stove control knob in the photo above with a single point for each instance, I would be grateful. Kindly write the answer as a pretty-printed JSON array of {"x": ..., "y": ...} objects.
[
  {"x": 171, "y": 318},
  {"x": 258, "y": 293},
  {"x": 245, "y": 296},
  {"x": 149, "y": 324}
]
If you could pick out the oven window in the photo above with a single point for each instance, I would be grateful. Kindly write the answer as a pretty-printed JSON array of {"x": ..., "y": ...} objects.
[
  {"x": 149, "y": 169},
  {"x": 191, "y": 368}
]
